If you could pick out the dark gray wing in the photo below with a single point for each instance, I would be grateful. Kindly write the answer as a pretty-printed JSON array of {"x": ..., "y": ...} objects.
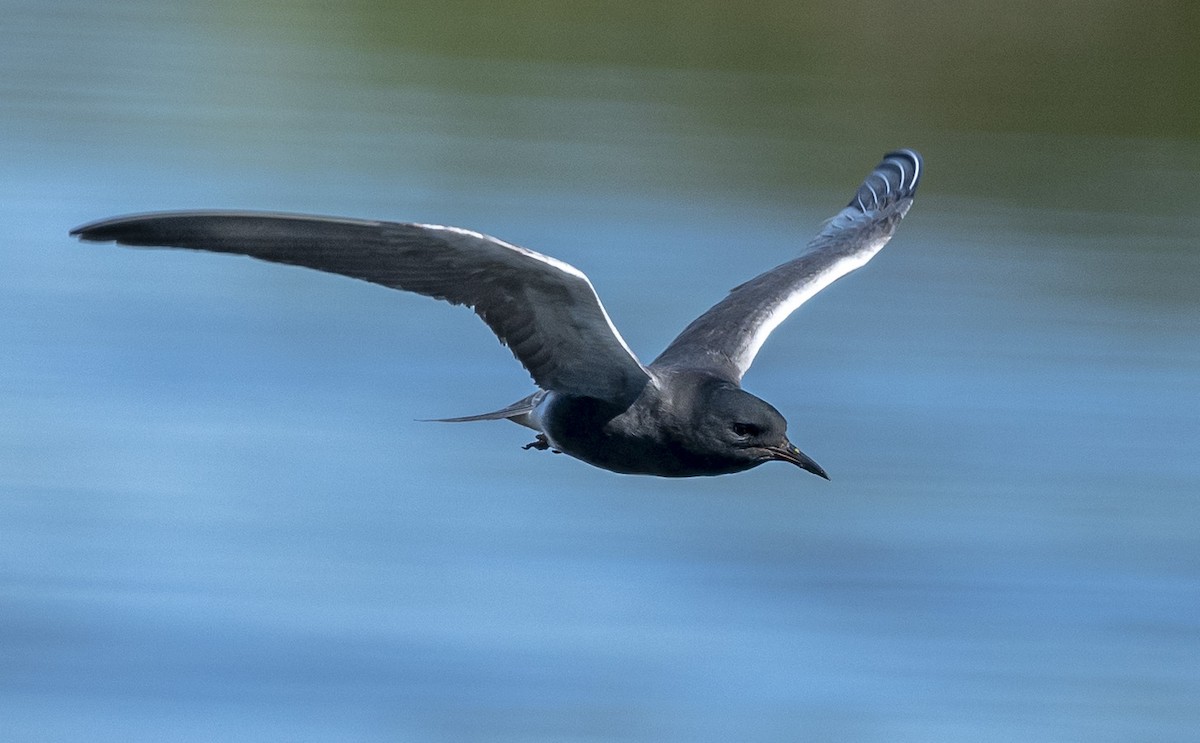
[
  {"x": 726, "y": 339},
  {"x": 544, "y": 310}
]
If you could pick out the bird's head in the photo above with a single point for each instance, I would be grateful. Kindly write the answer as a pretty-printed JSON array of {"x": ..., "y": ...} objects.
[{"x": 750, "y": 430}]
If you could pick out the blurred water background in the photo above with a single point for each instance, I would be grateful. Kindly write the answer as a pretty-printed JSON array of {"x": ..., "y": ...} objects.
[{"x": 219, "y": 519}]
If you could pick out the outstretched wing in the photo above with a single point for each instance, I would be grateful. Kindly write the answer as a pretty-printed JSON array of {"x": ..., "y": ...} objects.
[
  {"x": 726, "y": 338},
  {"x": 544, "y": 310}
]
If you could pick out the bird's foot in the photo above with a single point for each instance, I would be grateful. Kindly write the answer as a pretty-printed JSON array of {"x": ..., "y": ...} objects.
[{"x": 541, "y": 443}]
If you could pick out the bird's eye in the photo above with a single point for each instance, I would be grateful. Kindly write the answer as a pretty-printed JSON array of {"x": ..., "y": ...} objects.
[{"x": 746, "y": 429}]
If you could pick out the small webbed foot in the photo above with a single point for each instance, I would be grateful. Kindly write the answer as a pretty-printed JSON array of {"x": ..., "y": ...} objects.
[{"x": 541, "y": 443}]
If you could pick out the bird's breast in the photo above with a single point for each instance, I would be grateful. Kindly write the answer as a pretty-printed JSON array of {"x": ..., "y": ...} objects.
[{"x": 635, "y": 440}]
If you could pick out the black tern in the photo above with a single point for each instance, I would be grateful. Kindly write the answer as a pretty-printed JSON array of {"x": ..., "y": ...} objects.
[{"x": 683, "y": 415}]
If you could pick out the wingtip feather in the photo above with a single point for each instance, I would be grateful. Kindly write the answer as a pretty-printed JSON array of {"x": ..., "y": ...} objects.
[{"x": 895, "y": 178}]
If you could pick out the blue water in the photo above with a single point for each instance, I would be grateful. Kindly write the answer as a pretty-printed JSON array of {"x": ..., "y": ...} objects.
[{"x": 220, "y": 518}]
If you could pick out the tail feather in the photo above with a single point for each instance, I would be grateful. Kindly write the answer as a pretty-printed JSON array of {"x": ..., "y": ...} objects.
[{"x": 518, "y": 412}]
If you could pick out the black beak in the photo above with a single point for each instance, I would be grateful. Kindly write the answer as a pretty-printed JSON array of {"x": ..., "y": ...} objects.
[{"x": 789, "y": 453}]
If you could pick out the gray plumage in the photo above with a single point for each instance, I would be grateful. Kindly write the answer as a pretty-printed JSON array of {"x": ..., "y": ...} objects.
[{"x": 685, "y": 414}]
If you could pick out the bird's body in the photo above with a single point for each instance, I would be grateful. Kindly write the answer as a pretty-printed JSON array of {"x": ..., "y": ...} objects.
[
  {"x": 648, "y": 437},
  {"x": 685, "y": 414}
]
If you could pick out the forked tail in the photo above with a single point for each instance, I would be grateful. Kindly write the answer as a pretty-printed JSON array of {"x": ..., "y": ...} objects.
[{"x": 519, "y": 412}]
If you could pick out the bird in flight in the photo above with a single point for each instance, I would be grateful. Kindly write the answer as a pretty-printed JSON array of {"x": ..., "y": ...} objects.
[{"x": 685, "y": 414}]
